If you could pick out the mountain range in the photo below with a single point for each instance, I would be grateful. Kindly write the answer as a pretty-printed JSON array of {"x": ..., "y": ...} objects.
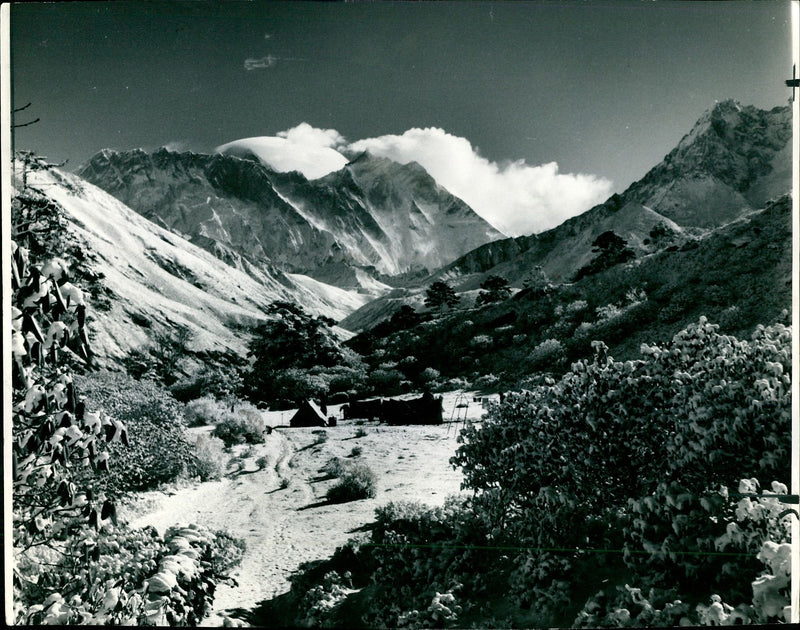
[
  {"x": 373, "y": 218},
  {"x": 733, "y": 160},
  {"x": 206, "y": 241}
]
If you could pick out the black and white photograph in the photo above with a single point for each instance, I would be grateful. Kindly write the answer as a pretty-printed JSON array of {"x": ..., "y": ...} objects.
[{"x": 400, "y": 314}]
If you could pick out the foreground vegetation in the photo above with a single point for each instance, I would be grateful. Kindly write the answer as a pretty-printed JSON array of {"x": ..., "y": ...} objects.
[
  {"x": 74, "y": 562},
  {"x": 633, "y": 493}
]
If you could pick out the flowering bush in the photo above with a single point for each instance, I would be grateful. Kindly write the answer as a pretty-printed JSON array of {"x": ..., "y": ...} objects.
[{"x": 637, "y": 456}]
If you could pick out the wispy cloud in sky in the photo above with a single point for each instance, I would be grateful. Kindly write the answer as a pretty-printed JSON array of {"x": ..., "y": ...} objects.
[
  {"x": 515, "y": 197},
  {"x": 264, "y": 62}
]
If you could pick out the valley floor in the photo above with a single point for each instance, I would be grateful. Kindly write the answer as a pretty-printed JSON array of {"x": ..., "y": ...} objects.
[{"x": 280, "y": 510}]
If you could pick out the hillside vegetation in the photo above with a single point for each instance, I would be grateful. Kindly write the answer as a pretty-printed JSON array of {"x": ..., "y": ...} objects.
[
  {"x": 738, "y": 275},
  {"x": 74, "y": 562}
]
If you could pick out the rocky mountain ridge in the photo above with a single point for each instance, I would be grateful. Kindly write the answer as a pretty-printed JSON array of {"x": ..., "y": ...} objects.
[
  {"x": 729, "y": 165},
  {"x": 732, "y": 162},
  {"x": 373, "y": 216},
  {"x": 156, "y": 282}
]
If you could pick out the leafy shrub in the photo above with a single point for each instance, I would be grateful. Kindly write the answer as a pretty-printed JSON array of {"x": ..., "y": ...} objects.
[
  {"x": 356, "y": 451},
  {"x": 452, "y": 384},
  {"x": 481, "y": 342},
  {"x": 210, "y": 458},
  {"x": 72, "y": 562},
  {"x": 158, "y": 451},
  {"x": 202, "y": 411},
  {"x": 486, "y": 381},
  {"x": 321, "y": 600},
  {"x": 162, "y": 357},
  {"x": 220, "y": 382},
  {"x": 240, "y": 427},
  {"x": 547, "y": 355},
  {"x": 345, "y": 378},
  {"x": 334, "y": 467},
  {"x": 576, "y": 307},
  {"x": 357, "y": 481},
  {"x": 637, "y": 455},
  {"x": 58, "y": 443},
  {"x": 609, "y": 311},
  {"x": 385, "y": 381},
  {"x": 429, "y": 374},
  {"x": 136, "y": 578},
  {"x": 227, "y": 552},
  {"x": 770, "y": 590},
  {"x": 420, "y": 555},
  {"x": 442, "y": 612}
]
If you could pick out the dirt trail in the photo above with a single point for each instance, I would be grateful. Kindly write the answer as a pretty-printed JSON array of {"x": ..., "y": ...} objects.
[{"x": 280, "y": 509}]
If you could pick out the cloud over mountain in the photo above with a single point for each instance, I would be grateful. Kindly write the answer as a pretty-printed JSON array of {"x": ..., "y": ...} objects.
[
  {"x": 302, "y": 148},
  {"x": 515, "y": 197}
]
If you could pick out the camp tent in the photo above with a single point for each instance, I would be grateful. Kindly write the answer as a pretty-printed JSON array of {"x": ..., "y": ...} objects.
[{"x": 308, "y": 415}]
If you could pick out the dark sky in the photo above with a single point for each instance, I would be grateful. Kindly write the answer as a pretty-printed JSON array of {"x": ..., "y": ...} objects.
[{"x": 606, "y": 88}]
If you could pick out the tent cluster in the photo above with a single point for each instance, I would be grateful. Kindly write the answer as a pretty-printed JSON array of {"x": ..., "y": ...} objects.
[{"x": 424, "y": 410}]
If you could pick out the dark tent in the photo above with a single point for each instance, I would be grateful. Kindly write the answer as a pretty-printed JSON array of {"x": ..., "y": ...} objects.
[
  {"x": 424, "y": 410},
  {"x": 308, "y": 415}
]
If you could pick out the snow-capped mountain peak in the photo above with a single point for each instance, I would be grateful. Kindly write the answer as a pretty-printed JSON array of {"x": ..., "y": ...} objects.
[{"x": 371, "y": 214}]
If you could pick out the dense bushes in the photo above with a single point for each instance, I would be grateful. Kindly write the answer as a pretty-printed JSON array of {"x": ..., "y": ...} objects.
[
  {"x": 638, "y": 456},
  {"x": 602, "y": 499},
  {"x": 223, "y": 382},
  {"x": 134, "y": 577},
  {"x": 158, "y": 451},
  {"x": 419, "y": 567},
  {"x": 202, "y": 411}
]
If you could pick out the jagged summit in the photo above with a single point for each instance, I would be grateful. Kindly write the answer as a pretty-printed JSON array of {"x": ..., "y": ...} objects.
[
  {"x": 372, "y": 214},
  {"x": 734, "y": 159},
  {"x": 729, "y": 165}
]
